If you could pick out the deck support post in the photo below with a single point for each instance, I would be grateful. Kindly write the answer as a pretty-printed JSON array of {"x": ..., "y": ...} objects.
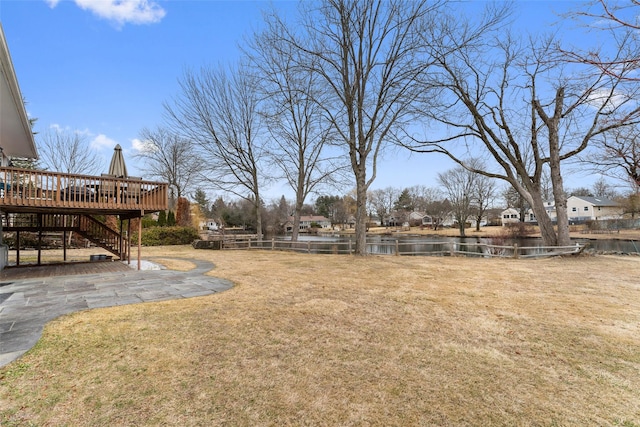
[
  {"x": 140, "y": 237},
  {"x": 39, "y": 239},
  {"x": 120, "y": 243}
]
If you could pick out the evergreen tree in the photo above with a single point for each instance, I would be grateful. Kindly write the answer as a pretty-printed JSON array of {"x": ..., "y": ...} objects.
[
  {"x": 162, "y": 218},
  {"x": 200, "y": 197},
  {"x": 171, "y": 219},
  {"x": 327, "y": 205},
  {"x": 404, "y": 202}
]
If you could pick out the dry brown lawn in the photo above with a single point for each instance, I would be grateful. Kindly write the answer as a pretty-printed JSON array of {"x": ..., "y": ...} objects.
[{"x": 337, "y": 340}]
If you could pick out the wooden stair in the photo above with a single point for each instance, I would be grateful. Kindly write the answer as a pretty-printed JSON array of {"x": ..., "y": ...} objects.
[{"x": 101, "y": 235}]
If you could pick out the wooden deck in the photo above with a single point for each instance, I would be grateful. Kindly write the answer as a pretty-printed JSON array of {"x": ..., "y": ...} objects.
[
  {"x": 24, "y": 190},
  {"x": 37, "y": 201}
]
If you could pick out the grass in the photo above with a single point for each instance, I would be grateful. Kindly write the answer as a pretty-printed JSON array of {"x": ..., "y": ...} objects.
[{"x": 339, "y": 340}]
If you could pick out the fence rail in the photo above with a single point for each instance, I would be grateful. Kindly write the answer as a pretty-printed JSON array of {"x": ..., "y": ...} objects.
[{"x": 399, "y": 248}]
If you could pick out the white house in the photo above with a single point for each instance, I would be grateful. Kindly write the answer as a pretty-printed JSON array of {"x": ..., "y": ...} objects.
[
  {"x": 210, "y": 224},
  {"x": 509, "y": 216},
  {"x": 306, "y": 221},
  {"x": 427, "y": 221},
  {"x": 579, "y": 209},
  {"x": 472, "y": 220},
  {"x": 395, "y": 219},
  {"x": 584, "y": 208}
]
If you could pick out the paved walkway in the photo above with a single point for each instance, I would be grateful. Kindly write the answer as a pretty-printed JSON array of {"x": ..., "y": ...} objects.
[{"x": 28, "y": 303}]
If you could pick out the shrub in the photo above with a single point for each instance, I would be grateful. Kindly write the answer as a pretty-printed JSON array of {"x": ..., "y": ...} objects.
[
  {"x": 27, "y": 240},
  {"x": 160, "y": 236},
  {"x": 517, "y": 230},
  {"x": 149, "y": 222},
  {"x": 183, "y": 212}
]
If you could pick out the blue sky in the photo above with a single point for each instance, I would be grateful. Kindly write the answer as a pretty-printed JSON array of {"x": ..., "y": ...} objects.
[{"x": 105, "y": 70}]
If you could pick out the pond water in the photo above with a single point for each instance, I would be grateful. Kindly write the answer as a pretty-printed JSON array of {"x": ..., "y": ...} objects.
[{"x": 423, "y": 245}]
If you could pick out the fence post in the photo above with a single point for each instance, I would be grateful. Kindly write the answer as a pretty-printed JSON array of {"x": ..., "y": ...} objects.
[
  {"x": 515, "y": 251},
  {"x": 349, "y": 246},
  {"x": 273, "y": 243},
  {"x": 397, "y": 249},
  {"x": 249, "y": 243},
  {"x": 308, "y": 246}
]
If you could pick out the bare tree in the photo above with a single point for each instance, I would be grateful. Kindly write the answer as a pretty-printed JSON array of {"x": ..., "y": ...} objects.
[
  {"x": 616, "y": 14},
  {"x": 482, "y": 197},
  {"x": 293, "y": 116},
  {"x": 459, "y": 184},
  {"x": 170, "y": 157},
  {"x": 423, "y": 196},
  {"x": 366, "y": 53},
  {"x": 438, "y": 210},
  {"x": 381, "y": 201},
  {"x": 485, "y": 87},
  {"x": 69, "y": 152},
  {"x": 617, "y": 155},
  {"x": 618, "y": 23},
  {"x": 601, "y": 188},
  {"x": 218, "y": 110}
]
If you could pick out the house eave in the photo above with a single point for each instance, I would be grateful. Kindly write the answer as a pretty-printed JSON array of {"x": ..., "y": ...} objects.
[{"x": 16, "y": 136}]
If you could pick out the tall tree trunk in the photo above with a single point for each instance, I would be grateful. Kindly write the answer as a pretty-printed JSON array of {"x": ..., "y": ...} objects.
[
  {"x": 296, "y": 222},
  {"x": 547, "y": 231},
  {"x": 461, "y": 226},
  {"x": 558, "y": 190},
  {"x": 258, "y": 218},
  {"x": 553, "y": 124},
  {"x": 297, "y": 213},
  {"x": 361, "y": 212}
]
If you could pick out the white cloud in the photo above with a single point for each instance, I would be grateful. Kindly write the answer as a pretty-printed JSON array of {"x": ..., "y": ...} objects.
[
  {"x": 55, "y": 127},
  {"x": 102, "y": 141},
  {"x": 141, "y": 146},
  {"x": 121, "y": 11},
  {"x": 137, "y": 145},
  {"x": 603, "y": 97}
]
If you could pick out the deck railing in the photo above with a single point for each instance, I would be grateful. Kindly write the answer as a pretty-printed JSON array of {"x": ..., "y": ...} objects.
[{"x": 44, "y": 189}]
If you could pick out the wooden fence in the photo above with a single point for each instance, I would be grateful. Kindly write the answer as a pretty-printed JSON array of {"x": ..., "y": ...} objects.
[{"x": 398, "y": 248}]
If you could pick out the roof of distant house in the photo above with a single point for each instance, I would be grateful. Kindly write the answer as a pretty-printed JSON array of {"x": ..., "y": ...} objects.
[
  {"x": 598, "y": 201},
  {"x": 312, "y": 218}
]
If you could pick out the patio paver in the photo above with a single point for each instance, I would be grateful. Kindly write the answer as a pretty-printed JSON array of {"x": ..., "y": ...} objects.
[{"x": 28, "y": 303}]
